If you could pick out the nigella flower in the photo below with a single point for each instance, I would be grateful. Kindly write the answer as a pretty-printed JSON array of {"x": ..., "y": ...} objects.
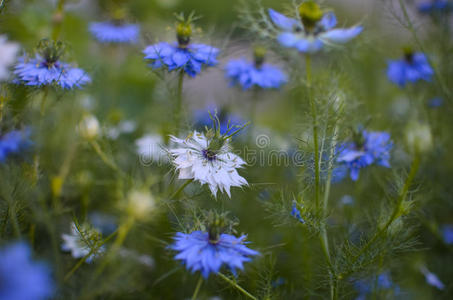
[
  {"x": 312, "y": 29},
  {"x": 115, "y": 32},
  {"x": 255, "y": 74},
  {"x": 182, "y": 55},
  {"x": 202, "y": 253},
  {"x": 412, "y": 68},
  {"x": 367, "y": 149},
  {"x": 13, "y": 142},
  {"x": 383, "y": 282},
  {"x": 21, "y": 277},
  {"x": 434, "y": 6},
  {"x": 207, "y": 158},
  {"x": 295, "y": 212},
  {"x": 447, "y": 234},
  {"x": 432, "y": 279},
  {"x": 47, "y": 69},
  {"x": 203, "y": 119},
  {"x": 82, "y": 241},
  {"x": 8, "y": 56},
  {"x": 150, "y": 148}
]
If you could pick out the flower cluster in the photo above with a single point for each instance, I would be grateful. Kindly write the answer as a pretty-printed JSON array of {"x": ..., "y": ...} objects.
[
  {"x": 200, "y": 253},
  {"x": 367, "y": 149},
  {"x": 111, "y": 32},
  {"x": 312, "y": 29},
  {"x": 21, "y": 277}
]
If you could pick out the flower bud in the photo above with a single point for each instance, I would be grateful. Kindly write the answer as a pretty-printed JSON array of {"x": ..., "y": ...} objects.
[
  {"x": 310, "y": 13},
  {"x": 140, "y": 204},
  {"x": 418, "y": 137},
  {"x": 89, "y": 127}
]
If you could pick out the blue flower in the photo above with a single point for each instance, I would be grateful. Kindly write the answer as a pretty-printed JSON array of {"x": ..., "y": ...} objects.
[
  {"x": 247, "y": 74},
  {"x": 39, "y": 72},
  {"x": 432, "y": 279},
  {"x": 311, "y": 37},
  {"x": 434, "y": 6},
  {"x": 296, "y": 213},
  {"x": 189, "y": 58},
  {"x": 110, "y": 32},
  {"x": 20, "y": 277},
  {"x": 203, "y": 119},
  {"x": 436, "y": 102},
  {"x": 447, "y": 234},
  {"x": 13, "y": 142},
  {"x": 412, "y": 68},
  {"x": 201, "y": 254},
  {"x": 383, "y": 282},
  {"x": 374, "y": 148}
]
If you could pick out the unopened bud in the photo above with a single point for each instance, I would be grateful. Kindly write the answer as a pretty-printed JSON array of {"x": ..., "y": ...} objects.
[
  {"x": 89, "y": 127},
  {"x": 140, "y": 204},
  {"x": 418, "y": 137}
]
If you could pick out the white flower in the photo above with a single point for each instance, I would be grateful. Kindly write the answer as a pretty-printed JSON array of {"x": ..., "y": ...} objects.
[
  {"x": 89, "y": 127},
  {"x": 79, "y": 242},
  {"x": 8, "y": 52},
  {"x": 149, "y": 147},
  {"x": 197, "y": 158},
  {"x": 126, "y": 126}
]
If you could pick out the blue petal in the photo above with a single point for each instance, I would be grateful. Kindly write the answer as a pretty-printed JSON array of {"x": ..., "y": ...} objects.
[
  {"x": 342, "y": 35},
  {"x": 283, "y": 21},
  {"x": 328, "y": 21}
]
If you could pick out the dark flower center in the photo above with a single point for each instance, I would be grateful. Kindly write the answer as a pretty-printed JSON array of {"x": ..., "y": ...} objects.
[
  {"x": 310, "y": 14},
  {"x": 183, "y": 34},
  {"x": 209, "y": 154}
]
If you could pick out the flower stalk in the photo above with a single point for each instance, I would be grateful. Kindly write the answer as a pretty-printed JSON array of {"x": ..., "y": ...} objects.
[{"x": 237, "y": 286}]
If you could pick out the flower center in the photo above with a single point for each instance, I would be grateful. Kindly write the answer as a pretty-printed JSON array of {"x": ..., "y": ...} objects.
[
  {"x": 408, "y": 55},
  {"x": 259, "y": 55},
  {"x": 183, "y": 34},
  {"x": 209, "y": 154},
  {"x": 310, "y": 13}
]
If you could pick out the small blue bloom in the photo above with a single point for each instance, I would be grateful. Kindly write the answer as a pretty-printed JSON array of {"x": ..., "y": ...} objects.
[
  {"x": 296, "y": 213},
  {"x": 111, "y": 32},
  {"x": 200, "y": 254},
  {"x": 374, "y": 149},
  {"x": 310, "y": 40},
  {"x": 203, "y": 119},
  {"x": 39, "y": 72},
  {"x": 411, "y": 68},
  {"x": 435, "y": 6},
  {"x": 247, "y": 74},
  {"x": 189, "y": 58},
  {"x": 382, "y": 282},
  {"x": 436, "y": 102},
  {"x": 20, "y": 277},
  {"x": 13, "y": 142},
  {"x": 432, "y": 279},
  {"x": 447, "y": 234}
]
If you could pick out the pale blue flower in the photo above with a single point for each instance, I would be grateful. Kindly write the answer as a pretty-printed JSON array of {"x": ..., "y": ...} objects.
[
  {"x": 13, "y": 142},
  {"x": 111, "y": 32}
]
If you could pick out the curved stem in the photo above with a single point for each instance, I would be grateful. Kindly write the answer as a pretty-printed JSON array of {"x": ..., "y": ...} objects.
[
  {"x": 58, "y": 19},
  {"x": 105, "y": 159},
  {"x": 237, "y": 286},
  {"x": 197, "y": 288}
]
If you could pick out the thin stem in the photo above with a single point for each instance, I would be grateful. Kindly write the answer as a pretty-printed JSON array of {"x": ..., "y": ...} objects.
[
  {"x": 197, "y": 288},
  {"x": 237, "y": 286},
  {"x": 43, "y": 100},
  {"x": 396, "y": 211},
  {"x": 181, "y": 188},
  {"x": 178, "y": 108},
  {"x": 104, "y": 158},
  {"x": 58, "y": 20},
  {"x": 13, "y": 216},
  {"x": 315, "y": 127}
]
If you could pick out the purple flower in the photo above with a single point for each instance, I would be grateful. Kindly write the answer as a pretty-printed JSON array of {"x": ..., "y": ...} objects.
[
  {"x": 373, "y": 148},
  {"x": 314, "y": 35},
  {"x": 13, "y": 142},
  {"x": 247, "y": 74},
  {"x": 39, "y": 72},
  {"x": 199, "y": 253},
  {"x": 20, "y": 277},
  {"x": 190, "y": 58},
  {"x": 447, "y": 233},
  {"x": 434, "y": 6},
  {"x": 412, "y": 68},
  {"x": 111, "y": 32}
]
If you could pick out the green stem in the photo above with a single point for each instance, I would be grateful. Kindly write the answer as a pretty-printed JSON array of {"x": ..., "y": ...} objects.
[
  {"x": 13, "y": 216},
  {"x": 110, "y": 163},
  {"x": 197, "y": 288},
  {"x": 315, "y": 128},
  {"x": 181, "y": 188},
  {"x": 396, "y": 211},
  {"x": 237, "y": 286},
  {"x": 43, "y": 100},
  {"x": 58, "y": 20},
  {"x": 178, "y": 112}
]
